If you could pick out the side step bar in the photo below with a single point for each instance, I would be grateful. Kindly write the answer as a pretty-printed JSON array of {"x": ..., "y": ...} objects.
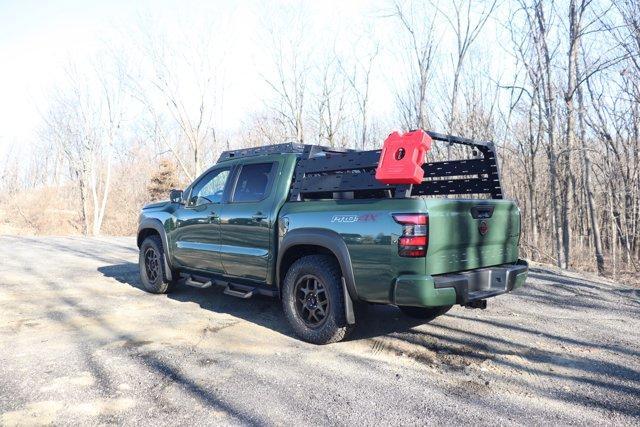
[
  {"x": 238, "y": 293},
  {"x": 238, "y": 290},
  {"x": 196, "y": 284}
]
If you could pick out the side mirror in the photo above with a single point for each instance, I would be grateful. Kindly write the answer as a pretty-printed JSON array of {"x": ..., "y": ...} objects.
[{"x": 176, "y": 196}]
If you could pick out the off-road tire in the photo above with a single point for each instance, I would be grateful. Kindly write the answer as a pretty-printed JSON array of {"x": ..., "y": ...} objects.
[
  {"x": 155, "y": 283},
  {"x": 327, "y": 272},
  {"x": 425, "y": 313}
]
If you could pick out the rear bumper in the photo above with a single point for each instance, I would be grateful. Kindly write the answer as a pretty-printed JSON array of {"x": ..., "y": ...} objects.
[{"x": 459, "y": 288}]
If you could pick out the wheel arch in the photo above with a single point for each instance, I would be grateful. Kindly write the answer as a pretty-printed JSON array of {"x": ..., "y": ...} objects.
[
  {"x": 307, "y": 241},
  {"x": 152, "y": 226}
]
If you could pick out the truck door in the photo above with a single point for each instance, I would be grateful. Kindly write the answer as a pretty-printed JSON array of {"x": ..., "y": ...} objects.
[
  {"x": 246, "y": 222},
  {"x": 196, "y": 238}
]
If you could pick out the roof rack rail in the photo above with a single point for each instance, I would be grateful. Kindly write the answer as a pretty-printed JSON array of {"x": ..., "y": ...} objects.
[
  {"x": 315, "y": 150},
  {"x": 289, "y": 147},
  {"x": 457, "y": 139}
]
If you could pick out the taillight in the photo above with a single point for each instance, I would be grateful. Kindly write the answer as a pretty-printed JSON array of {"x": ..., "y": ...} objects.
[{"x": 415, "y": 234}]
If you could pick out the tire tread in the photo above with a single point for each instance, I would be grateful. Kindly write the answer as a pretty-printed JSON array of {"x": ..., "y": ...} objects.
[
  {"x": 165, "y": 286},
  {"x": 336, "y": 327}
]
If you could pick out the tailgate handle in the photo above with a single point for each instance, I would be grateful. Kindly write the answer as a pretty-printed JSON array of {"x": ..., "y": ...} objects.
[{"x": 482, "y": 211}]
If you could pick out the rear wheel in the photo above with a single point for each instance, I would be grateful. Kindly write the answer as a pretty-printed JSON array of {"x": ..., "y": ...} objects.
[
  {"x": 152, "y": 266},
  {"x": 313, "y": 300},
  {"x": 425, "y": 313}
]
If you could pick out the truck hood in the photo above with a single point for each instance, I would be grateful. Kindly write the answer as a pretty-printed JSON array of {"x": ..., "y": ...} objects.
[{"x": 156, "y": 205}]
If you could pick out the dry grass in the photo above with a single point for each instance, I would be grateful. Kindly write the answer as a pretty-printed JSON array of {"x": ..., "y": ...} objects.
[{"x": 42, "y": 211}]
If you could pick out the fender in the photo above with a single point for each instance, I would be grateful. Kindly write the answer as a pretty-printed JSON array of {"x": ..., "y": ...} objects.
[
  {"x": 333, "y": 242},
  {"x": 156, "y": 225}
]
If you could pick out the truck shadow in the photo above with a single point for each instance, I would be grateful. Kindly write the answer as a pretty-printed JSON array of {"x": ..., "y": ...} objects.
[
  {"x": 373, "y": 320},
  {"x": 577, "y": 370}
]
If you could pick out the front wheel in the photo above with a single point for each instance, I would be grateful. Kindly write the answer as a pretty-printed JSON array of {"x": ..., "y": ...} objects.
[
  {"x": 424, "y": 313},
  {"x": 152, "y": 268},
  {"x": 313, "y": 300}
]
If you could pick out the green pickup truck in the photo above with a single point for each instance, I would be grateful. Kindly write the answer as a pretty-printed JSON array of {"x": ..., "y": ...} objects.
[{"x": 312, "y": 226}]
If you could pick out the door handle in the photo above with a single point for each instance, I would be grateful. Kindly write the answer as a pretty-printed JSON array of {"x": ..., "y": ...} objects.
[
  {"x": 258, "y": 216},
  {"x": 213, "y": 216}
]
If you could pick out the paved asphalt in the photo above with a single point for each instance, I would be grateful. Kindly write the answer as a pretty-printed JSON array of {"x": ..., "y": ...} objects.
[{"x": 81, "y": 343}]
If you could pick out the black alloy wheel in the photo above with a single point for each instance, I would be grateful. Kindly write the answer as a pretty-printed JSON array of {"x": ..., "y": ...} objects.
[
  {"x": 153, "y": 271},
  {"x": 152, "y": 264},
  {"x": 312, "y": 301}
]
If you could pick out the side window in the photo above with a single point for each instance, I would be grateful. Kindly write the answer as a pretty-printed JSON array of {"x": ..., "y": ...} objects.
[
  {"x": 253, "y": 182},
  {"x": 209, "y": 189}
]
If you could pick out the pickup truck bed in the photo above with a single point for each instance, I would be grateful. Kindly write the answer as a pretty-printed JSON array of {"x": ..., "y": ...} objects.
[
  {"x": 371, "y": 238},
  {"x": 312, "y": 226}
]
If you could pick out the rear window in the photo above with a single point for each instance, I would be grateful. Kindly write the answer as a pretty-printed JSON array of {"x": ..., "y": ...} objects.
[{"x": 253, "y": 182}]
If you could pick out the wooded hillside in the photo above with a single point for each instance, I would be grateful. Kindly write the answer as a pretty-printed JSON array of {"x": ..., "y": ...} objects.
[{"x": 562, "y": 102}]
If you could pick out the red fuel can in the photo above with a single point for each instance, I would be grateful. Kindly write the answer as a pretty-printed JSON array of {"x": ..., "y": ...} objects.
[{"x": 402, "y": 157}]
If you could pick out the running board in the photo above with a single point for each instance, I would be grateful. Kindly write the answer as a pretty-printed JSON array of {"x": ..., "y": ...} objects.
[
  {"x": 202, "y": 285},
  {"x": 238, "y": 290},
  {"x": 238, "y": 293}
]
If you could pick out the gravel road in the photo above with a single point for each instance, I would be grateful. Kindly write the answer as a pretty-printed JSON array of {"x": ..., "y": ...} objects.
[{"x": 81, "y": 343}]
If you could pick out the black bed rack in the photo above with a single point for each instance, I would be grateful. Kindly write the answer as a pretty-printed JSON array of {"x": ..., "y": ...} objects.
[
  {"x": 343, "y": 173},
  {"x": 323, "y": 170}
]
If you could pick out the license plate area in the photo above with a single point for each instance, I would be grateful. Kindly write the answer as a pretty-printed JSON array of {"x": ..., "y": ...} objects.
[
  {"x": 494, "y": 279},
  {"x": 479, "y": 284}
]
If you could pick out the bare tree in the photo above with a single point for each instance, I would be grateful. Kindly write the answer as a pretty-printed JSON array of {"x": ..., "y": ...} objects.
[
  {"x": 291, "y": 63},
  {"x": 536, "y": 56},
  {"x": 359, "y": 79},
  {"x": 569, "y": 136},
  {"x": 575, "y": 79},
  {"x": 180, "y": 85},
  {"x": 331, "y": 103},
  {"x": 83, "y": 121},
  {"x": 467, "y": 25},
  {"x": 419, "y": 47},
  {"x": 588, "y": 186}
]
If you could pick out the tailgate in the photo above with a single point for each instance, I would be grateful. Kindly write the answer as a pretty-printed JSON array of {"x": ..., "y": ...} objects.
[{"x": 467, "y": 234}]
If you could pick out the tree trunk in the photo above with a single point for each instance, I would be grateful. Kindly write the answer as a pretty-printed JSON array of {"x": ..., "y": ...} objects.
[
  {"x": 555, "y": 219},
  {"x": 613, "y": 236},
  {"x": 105, "y": 195},
  {"x": 551, "y": 124},
  {"x": 565, "y": 211},
  {"x": 586, "y": 180},
  {"x": 574, "y": 33},
  {"x": 83, "y": 202}
]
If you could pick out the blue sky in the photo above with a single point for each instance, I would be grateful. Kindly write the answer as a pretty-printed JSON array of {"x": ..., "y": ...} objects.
[{"x": 39, "y": 38}]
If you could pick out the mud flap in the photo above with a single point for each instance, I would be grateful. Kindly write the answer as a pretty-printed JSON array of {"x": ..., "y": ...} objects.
[
  {"x": 348, "y": 305},
  {"x": 167, "y": 269}
]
